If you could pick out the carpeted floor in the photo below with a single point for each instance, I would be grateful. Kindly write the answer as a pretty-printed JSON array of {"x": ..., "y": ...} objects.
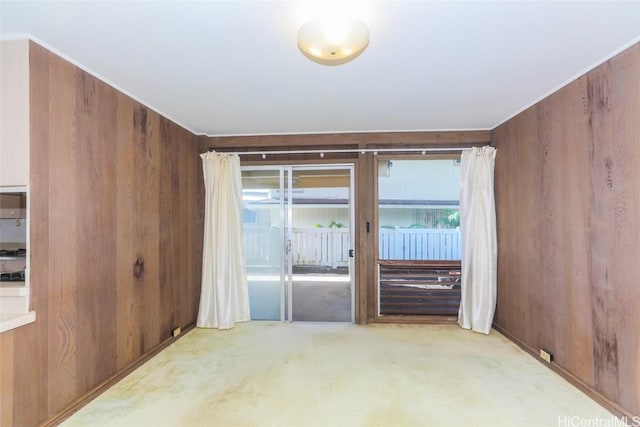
[{"x": 333, "y": 374}]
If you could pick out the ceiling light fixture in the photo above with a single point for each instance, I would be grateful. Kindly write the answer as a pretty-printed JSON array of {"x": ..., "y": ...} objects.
[{"x": 333, "y": 41}]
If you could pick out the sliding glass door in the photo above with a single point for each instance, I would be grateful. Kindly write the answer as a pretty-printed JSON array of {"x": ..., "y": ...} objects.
[
  {"x": 263, "y": 222},
  {"x": 298, "y": 240},
  {"x": 320, "y": 236}
]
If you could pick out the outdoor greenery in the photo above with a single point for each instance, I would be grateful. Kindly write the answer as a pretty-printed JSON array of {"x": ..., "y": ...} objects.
[
  {"x": 417, "y": 225},
  {"x": 450, "y": 220},
  {"x": 332, "y": 224}
]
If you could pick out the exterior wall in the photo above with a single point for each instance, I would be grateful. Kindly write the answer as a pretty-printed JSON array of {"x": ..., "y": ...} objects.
[
  {"x": 309, "y": 217},
  {"x": 567, "y": 174},
  {"x": 393, "y": 217},
  {"x": 410, "y": 180}
]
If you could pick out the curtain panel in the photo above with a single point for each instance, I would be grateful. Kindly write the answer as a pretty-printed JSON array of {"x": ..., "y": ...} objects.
[
  {"x": 224, "y": 296},
  {"x": 479, "y": 240}
]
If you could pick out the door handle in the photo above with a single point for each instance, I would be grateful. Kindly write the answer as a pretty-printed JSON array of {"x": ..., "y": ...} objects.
[
  {"x": 351, "y": 253},
  {"x": 288, "y": 247}
]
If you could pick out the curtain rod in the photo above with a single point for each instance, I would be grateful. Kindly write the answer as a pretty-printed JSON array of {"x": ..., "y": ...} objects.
[{"x": 375, "y": 151}]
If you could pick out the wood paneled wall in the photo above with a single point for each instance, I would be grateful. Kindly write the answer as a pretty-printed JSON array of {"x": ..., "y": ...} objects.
[
  {"x": 116, "y": 229},
  {"x": 568, "y": 204}
]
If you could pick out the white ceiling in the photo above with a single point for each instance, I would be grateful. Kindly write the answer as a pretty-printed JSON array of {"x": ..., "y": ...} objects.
[{"x": 233, "y": 67}]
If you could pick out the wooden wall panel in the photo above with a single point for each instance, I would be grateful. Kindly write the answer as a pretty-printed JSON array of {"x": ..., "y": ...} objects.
[
  {"x": 516, "y": 204},
  {"x": 365, "y": 241},
  {"x": 147, "y": 219},
  {"x": 198, "y": 224},
  {"x": 6, "y": 378},
  {"x": 567, "y": 197},
  {"x": 62, "y": 280},
  {"x": 129, "y": 311},
  {"x": 115, "y": 241},
  {"x": 614, "y": 113},
  {"x": 96, "y": 199},
  {"x": 167, "y": 243}
]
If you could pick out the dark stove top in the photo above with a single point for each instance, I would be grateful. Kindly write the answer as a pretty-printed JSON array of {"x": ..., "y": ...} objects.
[
  {"x": 17, "y": 276},
  {"x": 13, "y": 252}
]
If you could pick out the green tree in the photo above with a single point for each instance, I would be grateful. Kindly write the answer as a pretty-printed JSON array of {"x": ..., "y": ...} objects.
[{"x": 451, "y": 219}]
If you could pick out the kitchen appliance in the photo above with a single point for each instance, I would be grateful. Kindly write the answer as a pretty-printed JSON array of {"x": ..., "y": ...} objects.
[
  {"x": 13, "y": 253},
  {"x": 16, "y": 276}
]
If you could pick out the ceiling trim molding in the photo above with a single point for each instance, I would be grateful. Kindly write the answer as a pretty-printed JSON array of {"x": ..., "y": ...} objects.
[
  {"x": 343, "y": 132},
  {"x": 72, "y": 61},
  {"x": 570, "y": 80}
]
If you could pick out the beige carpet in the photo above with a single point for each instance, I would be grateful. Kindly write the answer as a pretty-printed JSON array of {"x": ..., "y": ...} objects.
[{"x": 311, "y": 374}]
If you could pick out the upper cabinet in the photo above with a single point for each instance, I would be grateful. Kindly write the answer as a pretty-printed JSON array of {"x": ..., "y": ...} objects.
[
  {"x": 14, "y": 113},
  {"x": 13, "y": 205}
]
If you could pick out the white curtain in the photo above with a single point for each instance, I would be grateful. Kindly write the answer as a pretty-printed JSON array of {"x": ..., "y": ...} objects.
[
  {"x": 224, "y": 297},
  {"x": 479, "y": 242}
]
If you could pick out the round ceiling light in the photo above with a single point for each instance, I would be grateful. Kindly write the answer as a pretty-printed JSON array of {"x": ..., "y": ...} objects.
[{"x": 333, "y": 41}]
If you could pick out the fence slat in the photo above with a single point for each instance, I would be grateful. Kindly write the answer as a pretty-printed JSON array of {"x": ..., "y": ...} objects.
[{"x": 330, "y": 246}]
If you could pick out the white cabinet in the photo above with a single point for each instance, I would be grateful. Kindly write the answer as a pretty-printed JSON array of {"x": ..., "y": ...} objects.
[
  {"x": 14, "y": 112},
  {"x": 12, "y": 206}
]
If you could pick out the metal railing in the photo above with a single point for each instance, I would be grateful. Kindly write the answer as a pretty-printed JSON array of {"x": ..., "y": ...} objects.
[
  {"x": 419, "y": 244},
  {"x": 330, "y": 246}
]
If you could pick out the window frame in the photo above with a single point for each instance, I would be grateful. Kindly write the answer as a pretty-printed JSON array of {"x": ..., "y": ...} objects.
[{"x": 454, "y": 265}]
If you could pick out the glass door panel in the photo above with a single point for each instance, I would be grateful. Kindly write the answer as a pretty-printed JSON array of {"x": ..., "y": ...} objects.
[
  {"x": 262, "y": 211},
  {"x": 320, "y": 233},
  {"x": 297, "y": 230}
]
